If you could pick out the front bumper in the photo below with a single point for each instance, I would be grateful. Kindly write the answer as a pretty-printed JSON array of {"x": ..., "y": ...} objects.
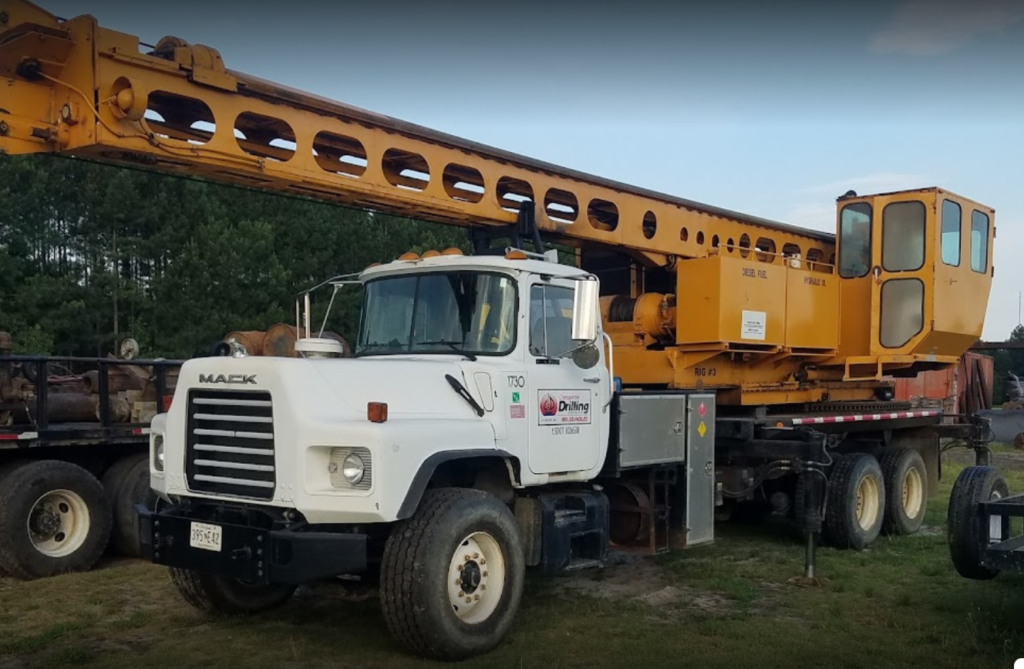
[{"x": 249, "y": 553}]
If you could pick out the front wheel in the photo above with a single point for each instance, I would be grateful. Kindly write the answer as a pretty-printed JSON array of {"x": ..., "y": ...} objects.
[
  {"x": 452, "y": 575},
  {"x": 217, "y": 594}
]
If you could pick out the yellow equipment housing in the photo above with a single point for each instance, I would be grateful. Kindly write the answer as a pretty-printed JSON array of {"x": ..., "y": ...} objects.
[{"x": 768, "y": 313}]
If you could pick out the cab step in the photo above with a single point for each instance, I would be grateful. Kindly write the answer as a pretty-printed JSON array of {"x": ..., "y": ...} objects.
[{"x": 574, "y": 530}]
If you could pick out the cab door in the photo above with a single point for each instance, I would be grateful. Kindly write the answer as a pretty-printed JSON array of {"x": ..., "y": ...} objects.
[
  {"x": 566, "y": 405},
  {"x": 901, "y": 273}
]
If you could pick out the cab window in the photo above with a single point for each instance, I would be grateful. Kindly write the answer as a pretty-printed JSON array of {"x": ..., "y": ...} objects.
[
  {"x": 979, "y": 241},
  {"x": 951, "y": 233},
  {"x": 903, "y": 225},
  {"x": 550, "y": 321},
  {"x": 854, "y": 240}
]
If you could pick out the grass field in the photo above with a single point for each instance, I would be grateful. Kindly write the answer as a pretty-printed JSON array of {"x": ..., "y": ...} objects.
[{"x": 899, "y": 604}]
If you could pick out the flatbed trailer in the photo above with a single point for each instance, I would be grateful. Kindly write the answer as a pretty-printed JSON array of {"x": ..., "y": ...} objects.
[
  {"x": 981, "y": 535},
  {"x": 68, "y": 484}
]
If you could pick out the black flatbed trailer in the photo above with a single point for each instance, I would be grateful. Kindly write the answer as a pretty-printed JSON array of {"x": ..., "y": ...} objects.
[{"x": 68, "y": 484}]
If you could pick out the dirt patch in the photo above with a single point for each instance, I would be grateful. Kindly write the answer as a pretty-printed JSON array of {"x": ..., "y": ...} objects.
[{"x": 640, "y": 579}]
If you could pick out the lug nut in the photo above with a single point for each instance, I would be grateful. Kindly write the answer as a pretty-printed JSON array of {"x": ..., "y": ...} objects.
[
  {"x": 461, "y": 567},
  {"x": 483, "y": 562},
  {"x": 462, "y": 594},
  {"x": 469, "y": 600},
  {"x": 483, "y": 587},
  {"x": 485, "y": 574},
  {"x": 476, "y": 598},
  {"x": 468, "y": 557},
  {"x": 476, "y": 556}
]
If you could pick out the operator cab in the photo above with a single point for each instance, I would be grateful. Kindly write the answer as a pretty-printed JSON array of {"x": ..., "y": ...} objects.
[{"x": 917, "y": 268}]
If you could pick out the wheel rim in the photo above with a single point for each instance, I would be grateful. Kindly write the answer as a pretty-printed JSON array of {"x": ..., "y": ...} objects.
[
  {"x": 867, "y": 502},
  {"x": 913, "y": 493},
  {"x": 476, "y": 578},
  {"x": 58, "y": 523},
  {"x": 995, "y": 523}
]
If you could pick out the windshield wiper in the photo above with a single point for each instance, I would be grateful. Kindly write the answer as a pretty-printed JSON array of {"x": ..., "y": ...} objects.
[
  {"x": 452, "y": 345},
  {"x": 461, "y": 390}
]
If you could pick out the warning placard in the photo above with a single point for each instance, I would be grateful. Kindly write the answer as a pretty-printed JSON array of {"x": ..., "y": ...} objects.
[{"x": 754, "y": 325}]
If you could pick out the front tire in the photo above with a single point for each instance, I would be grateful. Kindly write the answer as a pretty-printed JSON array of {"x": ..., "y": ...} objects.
[
  {"x": 856, "y": 502},
  {"x": 967, "y": 530},
  {"x": 217, "y": 594},
  {"x": 452, "y": 575},
  {"x": 54, "y": 519},
  {"x": 906, "y": 487}
]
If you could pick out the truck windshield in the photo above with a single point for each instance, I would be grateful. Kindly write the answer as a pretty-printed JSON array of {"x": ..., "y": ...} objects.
[{"x": 439, "y": 312}]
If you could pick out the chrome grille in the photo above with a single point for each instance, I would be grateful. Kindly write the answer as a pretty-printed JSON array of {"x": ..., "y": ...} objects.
[{"x": 230, "y": 444}]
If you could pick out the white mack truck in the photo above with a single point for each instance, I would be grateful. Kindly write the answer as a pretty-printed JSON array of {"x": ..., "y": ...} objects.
[{"x": 472, "y": 434}]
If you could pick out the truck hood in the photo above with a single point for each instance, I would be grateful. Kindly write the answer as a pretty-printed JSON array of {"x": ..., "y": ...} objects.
[{"x": 411, "y": 387}]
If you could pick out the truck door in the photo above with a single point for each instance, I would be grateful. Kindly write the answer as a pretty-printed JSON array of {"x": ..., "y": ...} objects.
[{"x": 566, "y": 402}]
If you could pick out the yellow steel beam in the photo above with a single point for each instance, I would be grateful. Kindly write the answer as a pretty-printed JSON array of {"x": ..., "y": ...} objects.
[{"x": 75, "y": 88}]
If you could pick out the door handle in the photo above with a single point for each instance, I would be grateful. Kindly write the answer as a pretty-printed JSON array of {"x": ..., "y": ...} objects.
[{"x": 593, "y": 379}]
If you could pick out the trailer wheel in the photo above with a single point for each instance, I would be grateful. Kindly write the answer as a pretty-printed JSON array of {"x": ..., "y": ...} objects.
[
  {"x": 967, "y": 531},
  {"x": 856, "y": 501},
  {"x": 452, "y": 575},
  {"x": 54, "y": 519},
  {"x": 227, "y": 596},
  {"x": 127, "y": 484},
  {"x": 906, "y": 487}
]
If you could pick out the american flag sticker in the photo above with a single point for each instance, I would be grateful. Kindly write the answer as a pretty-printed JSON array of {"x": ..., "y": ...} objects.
[{"x": 517, "y": 410}]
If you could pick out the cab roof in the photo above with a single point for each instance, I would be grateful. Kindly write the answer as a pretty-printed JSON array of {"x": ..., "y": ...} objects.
[{"x": 469, "y": 262}]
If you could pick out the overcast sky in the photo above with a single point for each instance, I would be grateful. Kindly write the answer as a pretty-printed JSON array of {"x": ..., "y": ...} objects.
[{"x": 767, "y": 108}]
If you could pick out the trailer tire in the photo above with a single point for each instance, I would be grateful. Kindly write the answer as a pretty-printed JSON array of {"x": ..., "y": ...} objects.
[
  {"x": 856, "y": 502},
  {"x": 127, "y": 484},
  {"x": 424, "y": 559},
  {"x": 55, "y": 519},
  {"x": 906, "y": 490},
  {"x": 966, "y": 530},
  {"x": 6, "y": 469},
  {"x": 227, "y": 596}
]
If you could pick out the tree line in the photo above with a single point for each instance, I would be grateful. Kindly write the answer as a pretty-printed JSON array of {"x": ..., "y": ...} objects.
[{"x": 90, "y": 254}]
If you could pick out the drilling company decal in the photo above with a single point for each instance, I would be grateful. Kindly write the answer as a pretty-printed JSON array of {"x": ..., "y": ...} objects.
[{"x": 563, "y": 407}]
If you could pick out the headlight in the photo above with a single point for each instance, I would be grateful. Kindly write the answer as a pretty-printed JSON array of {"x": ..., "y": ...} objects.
[
  {"x": 353, "y": 468},
  {"x": 158, "y": 452}
]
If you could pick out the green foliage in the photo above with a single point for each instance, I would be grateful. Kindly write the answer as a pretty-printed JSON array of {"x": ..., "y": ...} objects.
[{"x": 90, "y": 254}]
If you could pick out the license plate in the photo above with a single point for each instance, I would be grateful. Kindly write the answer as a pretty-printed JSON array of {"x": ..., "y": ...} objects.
[{"x": 205, "y": 537}]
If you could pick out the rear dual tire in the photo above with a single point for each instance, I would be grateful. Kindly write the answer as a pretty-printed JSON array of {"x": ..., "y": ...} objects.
[
  {"x": 54, "y": 519},
  {"x": 869, "y": 496},
  {"x": 127, "y": 483},
  {"x": 906, "y": 486}
]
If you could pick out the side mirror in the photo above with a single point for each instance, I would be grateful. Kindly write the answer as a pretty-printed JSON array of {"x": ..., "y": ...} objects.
[{"x": 585, "y": 311}]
